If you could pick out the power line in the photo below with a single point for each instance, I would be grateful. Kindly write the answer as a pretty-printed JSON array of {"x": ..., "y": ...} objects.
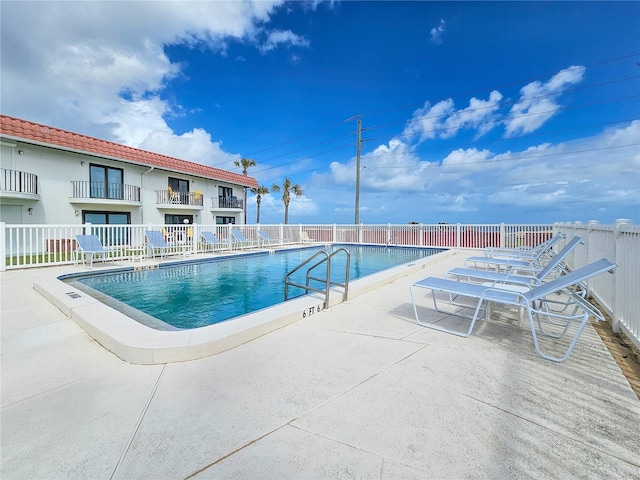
[
  {"x": 468, "y": 111},
  {"x": 529, "y": 80},
  {"x": 488, "y": 162},
  {"x": 468, "y": 125}
]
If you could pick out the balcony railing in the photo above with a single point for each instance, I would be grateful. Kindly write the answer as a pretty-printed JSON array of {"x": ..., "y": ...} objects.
[
  {"x": 18, "y": 182},
  {"x": 226, "y": 202},
  {"x": 167, "y": 197},
  {"x": 109, "y": 191}
]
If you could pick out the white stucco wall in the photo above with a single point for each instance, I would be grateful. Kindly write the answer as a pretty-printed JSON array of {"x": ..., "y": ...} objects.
[{"x": 56, "y": 169}]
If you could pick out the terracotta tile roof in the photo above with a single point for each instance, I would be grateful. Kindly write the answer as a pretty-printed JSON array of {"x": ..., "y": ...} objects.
[{"x": 42, "y": 134}]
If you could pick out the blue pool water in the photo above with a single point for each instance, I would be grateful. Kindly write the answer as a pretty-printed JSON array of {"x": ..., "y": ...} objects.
[{"x": 197, "y": 294}]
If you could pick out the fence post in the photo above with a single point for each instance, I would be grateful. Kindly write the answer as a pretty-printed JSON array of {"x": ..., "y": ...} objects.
[
  {"x": 87, "y": 228},
  {"x": 3, "y": 247},
  {"x": 458, "y": 243},
  {"x": 502, "y": 236},
  {"x": 617, "y": 286},
  {"x": 590, "y": 226}
]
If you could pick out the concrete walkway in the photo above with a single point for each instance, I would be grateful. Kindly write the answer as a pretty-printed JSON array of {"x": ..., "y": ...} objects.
[{"x": 358, "y": 391}]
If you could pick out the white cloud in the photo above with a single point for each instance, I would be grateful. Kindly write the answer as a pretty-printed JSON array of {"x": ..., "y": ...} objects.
[
  {"x": 281, "y": 37},
  {"x": 104, "y": 69},
  {"x": 538, "y": 101},
  {"x": 427, "y": 121},
  {"x": 437, "y": 31},
  {"x": 480, "y": 114}
]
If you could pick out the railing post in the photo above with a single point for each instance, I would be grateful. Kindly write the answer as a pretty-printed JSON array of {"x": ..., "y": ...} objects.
[
  {"x": 334, "y": 233},
  {"x": 503, "y": 240},
  {"x": 458, "y": 236},
  {"x": 87, "y": 228},
  {"x": 617, "y": 286},
  {"x": 590, "y": 226},
  {"x": 3, "y": 247}
]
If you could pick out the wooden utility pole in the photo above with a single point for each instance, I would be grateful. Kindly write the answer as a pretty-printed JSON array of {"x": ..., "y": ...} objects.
[{"x": 358, "y": 142}]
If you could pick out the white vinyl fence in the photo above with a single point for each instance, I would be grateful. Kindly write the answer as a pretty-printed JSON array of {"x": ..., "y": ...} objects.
[
  {"x": 617, "y": 294},
  {"x": 25, "y": 246}
]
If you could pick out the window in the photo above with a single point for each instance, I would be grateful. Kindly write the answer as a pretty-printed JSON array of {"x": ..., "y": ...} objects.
[
  {"x": 106, "y": 182},
  {"x": 226, "y": 198},
  {"x": 225, "y": 220},
  {"x": 179, "y": 185},
  {"x": 118, "y": 236},
  {"x": 177, "y": 219}
]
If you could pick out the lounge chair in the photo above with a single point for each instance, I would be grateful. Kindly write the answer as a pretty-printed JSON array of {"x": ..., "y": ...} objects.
[
  {"x": 523, "y": 253},
  {"x": 240, "y": 239},
  {"x": 92, "y": 246},
  {"x": 304, "y": 238},
  {"x": 556, "y": 262},
  {"x": 210, "y": 240},
  {"x": 157, "y": 243},
  {"x": 265, "y": 238},
  {"x": 509, "y": 264},
  {"x": 534, "y": 302}
]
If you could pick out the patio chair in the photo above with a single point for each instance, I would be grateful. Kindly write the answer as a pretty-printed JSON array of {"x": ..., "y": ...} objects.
[
  {"x": 92, "y": 246},
  {"x": 209, "y": 239},
  {"x": 555, "y": 263},
  {"x": 304, "y": 238},
  {"x": 157, "y": 243},
  {"x": 534, "y": 302},
  {"x": 524, "y": 253},
  {"x": 240, "y": 239},
  {"x": 269, "y": 240},
  {"x": 510, "y": 264}
]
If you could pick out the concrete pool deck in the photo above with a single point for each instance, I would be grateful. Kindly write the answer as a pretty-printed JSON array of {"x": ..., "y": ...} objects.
[{"x": 356, "y": 391}]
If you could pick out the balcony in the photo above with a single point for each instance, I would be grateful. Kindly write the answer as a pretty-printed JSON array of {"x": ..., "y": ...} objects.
[
  {"x": 232, "y": 203},
  {"x": 87, "y": 192},
  {"x": 179, "y": 200},
  {"x": 17, "y": 185}
]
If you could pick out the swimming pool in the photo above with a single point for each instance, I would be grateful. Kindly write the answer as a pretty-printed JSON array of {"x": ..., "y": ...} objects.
[{"x": 199, "y": 293}]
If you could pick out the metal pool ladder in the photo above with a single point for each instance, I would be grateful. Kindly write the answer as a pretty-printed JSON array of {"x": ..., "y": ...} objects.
[{"x": 326, "y": 259}]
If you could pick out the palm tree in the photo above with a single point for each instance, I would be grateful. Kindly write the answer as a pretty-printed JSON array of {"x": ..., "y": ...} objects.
[
  {"x": 245, "y": 164},
  {"x": 287, "y": 188},
  {"x": 258, "y": 192}
]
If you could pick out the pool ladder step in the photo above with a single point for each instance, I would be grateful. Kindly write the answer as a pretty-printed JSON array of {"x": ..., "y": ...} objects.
[{"x": 326, "y": 260}]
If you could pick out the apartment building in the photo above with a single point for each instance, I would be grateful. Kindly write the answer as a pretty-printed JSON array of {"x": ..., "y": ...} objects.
[{"x": 53, "y": 176}]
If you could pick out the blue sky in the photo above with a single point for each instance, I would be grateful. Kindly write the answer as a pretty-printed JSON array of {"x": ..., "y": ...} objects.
[{"x": 472, "y": 112}]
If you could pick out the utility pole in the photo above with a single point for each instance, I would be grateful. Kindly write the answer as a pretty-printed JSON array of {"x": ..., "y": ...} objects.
[{"x": 358, "y": 142}]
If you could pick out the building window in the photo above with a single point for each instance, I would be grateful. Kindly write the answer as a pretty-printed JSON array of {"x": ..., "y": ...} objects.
[
  {"x": 117, "y": 236},
  {"x": 179, "y": 185},
  {"x": 224, "y": 220},
  {"x": 226, "y": 198},
  {"x": 106, "y": 182},
  {"x": 178, "y": 219}
]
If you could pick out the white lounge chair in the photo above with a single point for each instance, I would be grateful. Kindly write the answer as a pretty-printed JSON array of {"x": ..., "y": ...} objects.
[
  {"x": 267, "y": 239},
  {"x": 240, "y": 239},
  {"x": 534, "y": 302},
  {"x": 210, "y": 240},
  {"x": 92, "y": 246},
  {"x": 530, "y": 264},
  {"x": 157, "y": 243},
  {"x": 524, "y": 253},
  {"x": 304, "y": 238},
  {"x": 481, "y": 275}
]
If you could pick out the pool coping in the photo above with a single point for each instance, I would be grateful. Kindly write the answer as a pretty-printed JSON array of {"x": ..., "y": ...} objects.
[{"x": 136, "y": 343}]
